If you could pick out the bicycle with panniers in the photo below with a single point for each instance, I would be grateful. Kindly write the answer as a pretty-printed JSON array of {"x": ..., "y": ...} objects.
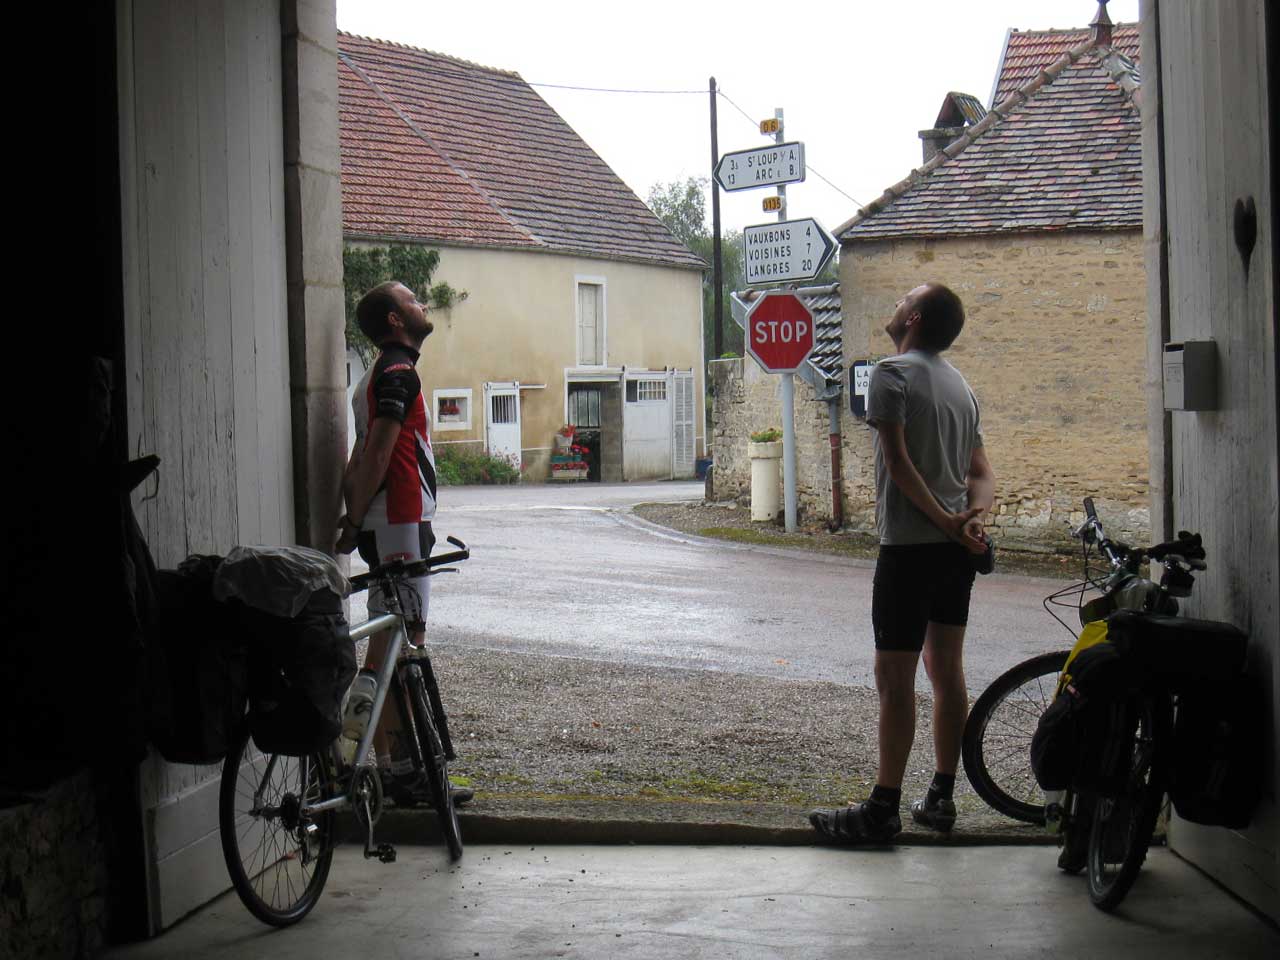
[
  {"x": 278, "y": 811},
  {"x": 1147, "y": 703}
]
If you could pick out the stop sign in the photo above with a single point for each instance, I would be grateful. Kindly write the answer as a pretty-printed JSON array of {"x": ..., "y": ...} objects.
[{"x": 780, "y": 332}]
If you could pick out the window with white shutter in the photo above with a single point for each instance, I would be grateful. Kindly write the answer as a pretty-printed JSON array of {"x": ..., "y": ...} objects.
[{"x": 591, "y": 347}]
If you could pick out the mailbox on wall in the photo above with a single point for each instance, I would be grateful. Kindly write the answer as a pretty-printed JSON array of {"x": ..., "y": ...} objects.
[{"x": 1191, "y": 375}]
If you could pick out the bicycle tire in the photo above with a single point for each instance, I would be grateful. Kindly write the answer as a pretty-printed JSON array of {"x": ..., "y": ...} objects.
[
  {"x": 1126, "y": 823},
  {"x": 283, "y": 891},
  {"x": 996, "y": 745},
  {"x": 435, "y": 763}
]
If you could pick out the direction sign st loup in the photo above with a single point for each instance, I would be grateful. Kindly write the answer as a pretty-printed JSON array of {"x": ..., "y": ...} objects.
[
  {"x": 785, "y": 251},
  {"x": 761, "y": 167},
  {"x": 780, "y": 332}
]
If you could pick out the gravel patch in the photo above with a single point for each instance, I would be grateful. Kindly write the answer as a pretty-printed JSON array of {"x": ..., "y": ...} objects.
[{"x": 540, "y": 736}]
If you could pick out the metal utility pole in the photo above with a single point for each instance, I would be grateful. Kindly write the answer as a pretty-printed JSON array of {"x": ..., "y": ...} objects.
[{"x": 717, "y": 262}]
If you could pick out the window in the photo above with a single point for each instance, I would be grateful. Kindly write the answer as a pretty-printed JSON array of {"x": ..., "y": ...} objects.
[
  {"x": 503, "y": 408},
  {"x": 591, "y": 327},
  {"x": 639, "y": 391},
  {"x": 584, "y": 407},
  {"x": 451, "y": 408}
]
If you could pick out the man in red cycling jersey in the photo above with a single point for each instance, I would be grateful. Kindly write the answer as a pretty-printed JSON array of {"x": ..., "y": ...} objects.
[{"x": 390, "y": 482}]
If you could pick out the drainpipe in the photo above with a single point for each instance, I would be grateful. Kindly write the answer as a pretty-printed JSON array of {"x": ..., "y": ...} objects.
[{"x": 837, "y": 496}]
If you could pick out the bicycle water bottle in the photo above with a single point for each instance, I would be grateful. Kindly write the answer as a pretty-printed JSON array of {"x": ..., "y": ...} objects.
[{"x": 355, "y": 717}]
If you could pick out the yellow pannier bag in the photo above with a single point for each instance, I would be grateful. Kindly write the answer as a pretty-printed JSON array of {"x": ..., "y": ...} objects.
[{"x": 1093, "y": 634}]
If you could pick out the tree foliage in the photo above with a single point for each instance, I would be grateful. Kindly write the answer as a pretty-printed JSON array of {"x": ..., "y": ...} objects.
[
  {"x": 681, "y": 206},
  {"x": 363, "y": 268}
]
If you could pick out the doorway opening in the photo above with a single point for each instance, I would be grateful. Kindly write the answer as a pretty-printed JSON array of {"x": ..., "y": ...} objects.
[{"x": 595, "y": 412}]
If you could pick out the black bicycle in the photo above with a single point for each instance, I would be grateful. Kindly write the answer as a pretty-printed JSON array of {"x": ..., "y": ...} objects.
[
  {"x": 997, "y": 735},
  {"x": 278, "y": 813}
]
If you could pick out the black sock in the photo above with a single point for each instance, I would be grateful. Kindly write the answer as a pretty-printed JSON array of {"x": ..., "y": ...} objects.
[
  {"x": 884, "y": 802},
  {"x": 944, "y": 784}
]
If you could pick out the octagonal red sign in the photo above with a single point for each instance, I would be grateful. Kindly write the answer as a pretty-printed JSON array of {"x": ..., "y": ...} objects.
[{"x": 780, "y": 332}]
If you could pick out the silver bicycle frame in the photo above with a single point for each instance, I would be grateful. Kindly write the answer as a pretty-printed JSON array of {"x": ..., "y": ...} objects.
[{"x": 367, "y": 629}]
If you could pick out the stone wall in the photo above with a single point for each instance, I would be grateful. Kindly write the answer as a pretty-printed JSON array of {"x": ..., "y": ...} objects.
[
  {"x": 53, "y": 898},
  {"x": 1054, "y": 348}
]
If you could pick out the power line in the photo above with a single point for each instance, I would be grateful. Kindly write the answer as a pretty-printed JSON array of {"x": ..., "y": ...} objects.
[
  {"x": 810, "y": 167},
  {"x": 567, "y": 86}
]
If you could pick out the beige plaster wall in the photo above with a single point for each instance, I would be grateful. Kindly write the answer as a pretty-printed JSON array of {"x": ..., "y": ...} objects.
[
  {"x": 519, "y": 323},
  {"x": 1053, "y": 347}
]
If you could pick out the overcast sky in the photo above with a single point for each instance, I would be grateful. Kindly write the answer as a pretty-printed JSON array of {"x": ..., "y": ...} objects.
[{"x": 857, "y": 80}]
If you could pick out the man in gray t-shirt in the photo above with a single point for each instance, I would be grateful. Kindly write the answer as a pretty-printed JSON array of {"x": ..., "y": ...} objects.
[{"x": 933, "y": 483}]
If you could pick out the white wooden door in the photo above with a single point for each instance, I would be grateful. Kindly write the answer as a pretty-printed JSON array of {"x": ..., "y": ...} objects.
[
  {"x": 646, "y": 428},
  {"x": 502, "y": 421}
]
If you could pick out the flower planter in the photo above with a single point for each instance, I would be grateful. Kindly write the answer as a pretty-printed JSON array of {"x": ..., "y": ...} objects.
[{"x": 766, "y": 459}]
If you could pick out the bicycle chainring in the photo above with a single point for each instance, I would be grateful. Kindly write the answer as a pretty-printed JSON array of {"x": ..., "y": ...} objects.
[{"x": 367, "y": 784}]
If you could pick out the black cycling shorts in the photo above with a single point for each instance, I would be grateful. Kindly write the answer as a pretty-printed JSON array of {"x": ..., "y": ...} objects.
[{"x": 916, "y": 584}]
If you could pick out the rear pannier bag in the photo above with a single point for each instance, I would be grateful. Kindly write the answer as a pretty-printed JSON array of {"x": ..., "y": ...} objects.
[
  {"x": 1217, "y": 773},
  {"x": 287, "y": 602},
  {"x": 1076, "y": 743},
  {"x": 1184, "y": 653},
  {"x": 299, "y": 672},
  {"x": 197, "y": 675}
]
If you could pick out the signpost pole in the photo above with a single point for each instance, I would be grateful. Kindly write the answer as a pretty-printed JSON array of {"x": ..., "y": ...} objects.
[
  {"x": 788, "y": 391},
  {"x": 789, "y": 451}
]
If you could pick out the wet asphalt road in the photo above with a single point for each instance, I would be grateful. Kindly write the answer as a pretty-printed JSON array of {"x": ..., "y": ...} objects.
[{"x": 568, "y": 572}]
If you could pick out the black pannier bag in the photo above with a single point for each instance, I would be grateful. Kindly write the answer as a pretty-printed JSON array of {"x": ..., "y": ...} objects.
[
  {"x": 1183, "y": 653},
  {"x": 1218, "y": 743},
  {"x": 1076, "y": 743},
  {"x": 197, "y": 675},
  {"x": 287, "y": 603}
]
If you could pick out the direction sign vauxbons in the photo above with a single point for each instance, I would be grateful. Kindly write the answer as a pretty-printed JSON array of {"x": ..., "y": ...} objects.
[
  {"x": 780, "y": 332},
  {"x": 790, "y": 250},
  {"x": 761, "y": 167}
]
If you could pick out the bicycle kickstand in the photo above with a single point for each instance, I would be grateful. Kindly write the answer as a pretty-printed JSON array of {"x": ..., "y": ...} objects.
[{"x": 385, "y": 852}]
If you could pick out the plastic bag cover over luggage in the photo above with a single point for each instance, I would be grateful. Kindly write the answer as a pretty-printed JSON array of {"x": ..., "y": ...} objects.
[{"x": 277, "y": 580}]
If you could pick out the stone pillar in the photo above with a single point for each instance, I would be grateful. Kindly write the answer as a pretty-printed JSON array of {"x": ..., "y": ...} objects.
[{"x": 313, "y": 236}]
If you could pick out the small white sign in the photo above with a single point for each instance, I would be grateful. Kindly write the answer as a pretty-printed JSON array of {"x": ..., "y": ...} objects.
[{"x": 861, "y": 378}]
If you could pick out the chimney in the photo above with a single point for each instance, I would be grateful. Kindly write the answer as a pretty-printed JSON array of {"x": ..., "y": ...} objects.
[
  {"x": 1101, "y": 26},
  {"x": 937, "y": 139}
]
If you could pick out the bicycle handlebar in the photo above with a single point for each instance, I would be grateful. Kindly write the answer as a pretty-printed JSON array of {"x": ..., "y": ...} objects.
[{"x": 399, "y": 569}]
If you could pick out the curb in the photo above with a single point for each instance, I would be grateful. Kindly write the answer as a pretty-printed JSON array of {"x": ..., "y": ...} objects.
[{"x": 419, "y": 827}]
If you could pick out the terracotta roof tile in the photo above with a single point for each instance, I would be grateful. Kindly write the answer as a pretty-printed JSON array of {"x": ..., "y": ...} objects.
[
  {"x": 1061, "y": 153},
  {"x": 1027, "y": 52},
  {"x": 430, "y": 141}
]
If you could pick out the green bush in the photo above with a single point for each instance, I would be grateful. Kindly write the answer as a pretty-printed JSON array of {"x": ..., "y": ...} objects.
[
  {"x": 458, "y": 465},
  {"x": 771, "y": 435}
]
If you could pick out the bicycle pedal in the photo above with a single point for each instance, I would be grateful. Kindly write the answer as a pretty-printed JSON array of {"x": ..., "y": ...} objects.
[{"x": 386, "y": 853}]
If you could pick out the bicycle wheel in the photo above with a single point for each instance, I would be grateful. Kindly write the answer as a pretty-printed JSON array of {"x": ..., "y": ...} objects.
[
  {"x": 1122, "y": 825},
  {"x": 435, "y": 764},
  {"x": 997, "y": 737},
  {"x": 278, "y": 858}
]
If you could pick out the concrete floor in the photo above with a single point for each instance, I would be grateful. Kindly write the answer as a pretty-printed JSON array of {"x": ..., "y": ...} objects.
[{"x": 721, "y": 902}]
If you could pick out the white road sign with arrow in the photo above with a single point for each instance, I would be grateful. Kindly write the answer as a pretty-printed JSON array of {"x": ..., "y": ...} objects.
[
  {"x": 786, "y": 251},
  {"x": 762, "y": 167}
]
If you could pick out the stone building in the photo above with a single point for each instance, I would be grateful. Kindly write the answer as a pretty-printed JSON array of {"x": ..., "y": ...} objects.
[{"x": 1032, "y": 212}]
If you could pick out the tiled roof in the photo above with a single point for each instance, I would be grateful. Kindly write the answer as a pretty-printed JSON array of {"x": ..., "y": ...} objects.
[
  {"x": 959, "y": 109},
  {"x": 1027, "y": 52},
  {"x": 824, "y": 301},
  {"x": 1061, "y": 153},
  {"x": 436, "y": 148}
]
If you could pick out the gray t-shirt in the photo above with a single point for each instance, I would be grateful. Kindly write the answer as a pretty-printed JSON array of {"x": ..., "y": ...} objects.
[{"x": 943, "y": 428}]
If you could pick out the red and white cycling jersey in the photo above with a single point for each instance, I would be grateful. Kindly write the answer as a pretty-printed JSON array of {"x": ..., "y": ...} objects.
[{"x": 391, "y": 388}]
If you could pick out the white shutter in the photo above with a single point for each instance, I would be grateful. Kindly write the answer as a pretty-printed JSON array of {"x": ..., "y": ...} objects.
[
  {"x": 683, "y": 420},
  {"x": 590, "y": 335}
]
